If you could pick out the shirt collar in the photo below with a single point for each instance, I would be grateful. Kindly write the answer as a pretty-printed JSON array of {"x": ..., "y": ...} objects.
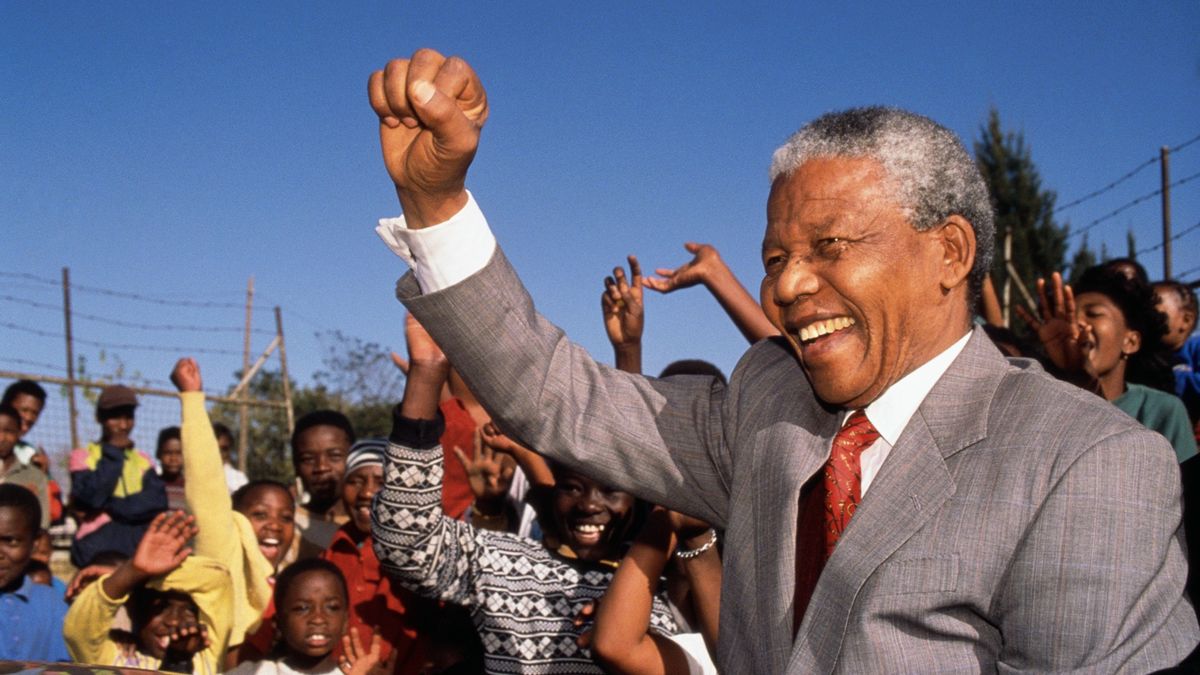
[{"x": 893, "y": 409}]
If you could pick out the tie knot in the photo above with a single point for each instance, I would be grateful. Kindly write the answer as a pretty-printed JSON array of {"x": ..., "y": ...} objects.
[{"x": 857, "y": 432}]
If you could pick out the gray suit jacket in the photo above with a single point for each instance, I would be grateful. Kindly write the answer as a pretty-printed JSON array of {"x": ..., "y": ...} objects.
[{"x": 1019, "y": 523}]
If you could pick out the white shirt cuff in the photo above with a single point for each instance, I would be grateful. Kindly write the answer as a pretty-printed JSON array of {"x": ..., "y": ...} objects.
[{"x": 444, "y": 254}]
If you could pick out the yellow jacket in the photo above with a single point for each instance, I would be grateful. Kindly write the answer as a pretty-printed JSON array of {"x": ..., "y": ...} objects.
[
  {"x": 89, "y": 619},
  {"x": 225, "y": 534}
]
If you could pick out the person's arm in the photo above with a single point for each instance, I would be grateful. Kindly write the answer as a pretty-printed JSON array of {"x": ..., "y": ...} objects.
[
  {"x": 1072, "y": 601},
  {"x": 204, "y": 485},
  {"x": 621, "y": 640},
  {"x": 553, "y": 397},
  {"x": 417, "y": 545},
  {"x": 702, "y": 565},
  {"x": 536, "y": 470},
  {"x": 989, "y": 304},
  {"x": 707, "y": 267},
  {"x": 624, "y": 315},
  {"x": 87, "y": 624},
  {"x": 490, "y": 476}
]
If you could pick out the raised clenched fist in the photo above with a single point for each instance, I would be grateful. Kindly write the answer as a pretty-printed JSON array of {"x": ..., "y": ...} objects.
[{"x": 431, "y": 110}]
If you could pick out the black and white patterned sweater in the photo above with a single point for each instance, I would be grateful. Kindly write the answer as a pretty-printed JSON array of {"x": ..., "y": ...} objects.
[{"x": 522, "y": 598}]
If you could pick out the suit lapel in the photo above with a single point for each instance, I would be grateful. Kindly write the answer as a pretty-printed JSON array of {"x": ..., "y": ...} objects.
[
  {"x": 786, "y": 454},
  {"x": 909, "y": 490}
]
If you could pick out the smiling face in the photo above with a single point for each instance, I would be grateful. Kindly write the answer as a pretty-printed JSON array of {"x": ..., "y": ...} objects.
[
  {"x": 357, "y": 490},
  {"x": 314, "y": 616},
  {"x": 271, "y": 513},
  {"x": 1111, "y": 343},
  {"x": 167, "y": 612},
  {"x": 319, "y": 456},
  {"x": 16, "y": 546},
  {"x": 863, "y": 298},
  {"x": 592, "y": 519}
]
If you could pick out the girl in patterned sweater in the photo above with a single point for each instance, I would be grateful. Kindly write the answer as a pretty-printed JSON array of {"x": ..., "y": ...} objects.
[{"x": 523, "y": 595}]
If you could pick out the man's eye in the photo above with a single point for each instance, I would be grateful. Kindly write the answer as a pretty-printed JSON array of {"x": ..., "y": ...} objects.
[{"x": 773, "y": 261}]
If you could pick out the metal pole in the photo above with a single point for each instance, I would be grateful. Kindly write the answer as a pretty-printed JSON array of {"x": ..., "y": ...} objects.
[
  {"x": 287, "y": 387},
  {"x": 243, "y": 409},
  {"x": 1165, "y": 154},
  {"x": 74, "y": 414}
]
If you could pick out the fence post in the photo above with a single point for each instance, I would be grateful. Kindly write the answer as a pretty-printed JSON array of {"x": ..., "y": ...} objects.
[
  {"x": 287, "y": 386},
  {"x": 243, "y": 409},
  {"x": 74, "y": 414}
]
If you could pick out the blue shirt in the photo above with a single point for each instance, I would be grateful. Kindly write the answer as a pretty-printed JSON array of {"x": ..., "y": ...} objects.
[{"x": 31, "y": 624}]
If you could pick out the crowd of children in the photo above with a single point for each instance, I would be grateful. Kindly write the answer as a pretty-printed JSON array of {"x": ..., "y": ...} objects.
[{"x": 447, "y": 547}]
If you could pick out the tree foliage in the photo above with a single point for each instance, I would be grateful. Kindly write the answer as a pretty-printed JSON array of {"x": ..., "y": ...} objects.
[{"x": 1023, "y": 206}]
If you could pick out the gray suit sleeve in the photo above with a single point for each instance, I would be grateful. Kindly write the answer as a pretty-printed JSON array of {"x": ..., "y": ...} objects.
[
  {"x": 663, "y": 441},
  {"x": 1075, "y": 601}
]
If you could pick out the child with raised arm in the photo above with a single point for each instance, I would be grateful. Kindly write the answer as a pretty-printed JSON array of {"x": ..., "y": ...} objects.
[
  {"x": 250, "y": 535},
  {"x": 523, "y": 596},
  {"x": 180, "y": 606},
  {"x": 706, "y": 267}
]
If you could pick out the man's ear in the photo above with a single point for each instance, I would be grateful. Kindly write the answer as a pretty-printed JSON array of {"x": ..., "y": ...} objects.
[{"x": 957, "y": 239}]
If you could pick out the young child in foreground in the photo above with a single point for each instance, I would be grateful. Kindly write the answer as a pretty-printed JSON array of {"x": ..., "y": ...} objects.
[
  {"x": 522, "y": 595},
  {"x": 180, "y": 606},
  {"x": 250, "y": 531},
  {"x": 312, "y": 616},
  {"x": 32, "y": 613}
]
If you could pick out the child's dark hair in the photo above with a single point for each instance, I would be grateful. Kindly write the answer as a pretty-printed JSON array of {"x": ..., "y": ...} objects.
[
  {"x": 242, "y": 494},
  {"x": 10, "y": 412},
  {"x": 108, "y": 557},
  {"x": 1187, "y": 296},
  {"x": 167, "y": 434},
  {"x": 23, "y": 502},
  {"x": 220, "y": 430},
  {"x": 323, "y": 418},
  {"x": 27, "y": 387},
  {"x": 693, "y": 367},
  {"x": 287, "y": 577}
]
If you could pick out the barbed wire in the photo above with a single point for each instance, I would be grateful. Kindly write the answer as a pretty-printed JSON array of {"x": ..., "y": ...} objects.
[
  {"x": 1129, "y": 205},
  {"x": 204, "y": 304},
  {"x": 1133, "y": 172},
  {"x": 1175, "y": 236},
  {"x": 36, "y": 364},
  {"x": 134, "y": 347},
  {"x": 1188, "y": 271},
  {"x": 131, "y": 324}
]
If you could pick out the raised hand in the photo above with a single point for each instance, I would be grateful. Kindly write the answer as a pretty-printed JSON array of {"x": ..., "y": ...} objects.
[
  {"x": 624, "y": 313},
  {"x": 1061, "y": 334},
  {"x": 164, "y": 546},
  {"x": 489, "y": 473},
  {"x": 701, "y": 269},
  {"x": 422, "y": 350},
  {"x": 357, "y": 659},
  {"x": 537, "y": 471},
  {"x": 186, "y": 375},
  {"x": 431, "y": 110},
  {"x": 189, "y": 637}
]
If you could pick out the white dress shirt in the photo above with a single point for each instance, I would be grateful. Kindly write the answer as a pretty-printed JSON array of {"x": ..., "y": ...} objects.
[{"x": 444, "y": 254}]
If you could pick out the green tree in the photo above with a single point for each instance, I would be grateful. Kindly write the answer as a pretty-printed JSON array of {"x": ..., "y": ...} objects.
[{"x": 1023, "y": 207}]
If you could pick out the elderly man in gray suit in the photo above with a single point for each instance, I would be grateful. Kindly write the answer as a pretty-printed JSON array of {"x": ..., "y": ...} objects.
[{"x": 896, "y": 495}]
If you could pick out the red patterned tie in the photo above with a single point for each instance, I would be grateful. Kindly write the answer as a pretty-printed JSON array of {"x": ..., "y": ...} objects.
[
  {"x": 827, "y": 503},
  {"x": 843, "y": 476}
]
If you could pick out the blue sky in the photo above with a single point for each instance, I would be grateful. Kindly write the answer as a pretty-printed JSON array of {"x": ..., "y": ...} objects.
[{"x": 174, "y": 149}]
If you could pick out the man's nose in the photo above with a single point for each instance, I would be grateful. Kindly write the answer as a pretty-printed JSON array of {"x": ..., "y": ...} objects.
[
  {"x": 797, "y": 281},
  {"x": 591, "y": 502}
]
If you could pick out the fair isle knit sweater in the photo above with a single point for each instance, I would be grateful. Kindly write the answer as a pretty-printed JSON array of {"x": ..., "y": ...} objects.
[{"x": 523, "y": 598}]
